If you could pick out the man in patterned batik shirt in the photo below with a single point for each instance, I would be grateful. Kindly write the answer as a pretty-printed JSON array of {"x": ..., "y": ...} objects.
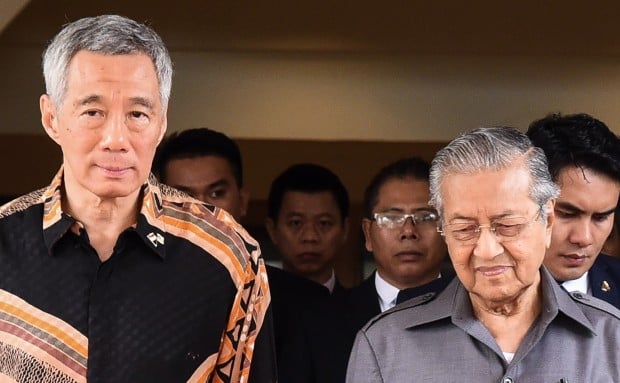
[{"x": 106, "y": 275}]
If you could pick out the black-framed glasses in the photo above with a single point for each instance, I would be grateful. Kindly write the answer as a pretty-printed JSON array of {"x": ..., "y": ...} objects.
[
  {"x": 505, "y": 229},
  {"x": 394, "y": 220}
]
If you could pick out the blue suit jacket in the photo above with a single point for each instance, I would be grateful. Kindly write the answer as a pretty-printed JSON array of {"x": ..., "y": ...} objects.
[{"x": 604, "y": 279}]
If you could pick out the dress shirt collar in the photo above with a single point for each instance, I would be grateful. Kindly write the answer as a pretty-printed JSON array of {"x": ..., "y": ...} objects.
[
  {"x": 331, "y": 282},
  {"x": 580, "y": 284},
  {"x": 386, "y": 291}
]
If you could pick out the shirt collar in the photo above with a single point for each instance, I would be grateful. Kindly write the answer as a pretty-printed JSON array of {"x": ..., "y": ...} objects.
[
  {"x": 580, "y": 284},
  {"x": 331, "y": 282},
  {"x": 386, "y": 291},
  {"x": 56, "y": 223},
  {"x": 454, "y": 302}
]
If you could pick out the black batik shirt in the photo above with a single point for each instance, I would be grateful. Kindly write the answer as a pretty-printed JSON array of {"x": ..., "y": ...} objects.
[{"x": 182, "y": 298}]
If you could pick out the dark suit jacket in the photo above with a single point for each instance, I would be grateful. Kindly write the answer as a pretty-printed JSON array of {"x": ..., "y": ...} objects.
[
  {"x": 320, "y": 352},
  {"x": 289, "y": 295},
  {"x": 321, "y": 345},
  {"x": 604, "y": 279}
]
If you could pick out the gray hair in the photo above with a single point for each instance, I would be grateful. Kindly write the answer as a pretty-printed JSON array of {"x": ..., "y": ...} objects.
[
  {"x": 493, "y": 148},
  {"x": 108, "y": 35}
]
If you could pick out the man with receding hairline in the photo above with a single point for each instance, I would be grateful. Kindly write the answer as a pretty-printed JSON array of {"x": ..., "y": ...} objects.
[{"x": 503, "y": 318}]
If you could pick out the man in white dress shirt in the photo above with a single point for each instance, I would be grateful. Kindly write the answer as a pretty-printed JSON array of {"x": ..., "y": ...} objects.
[{"x": 400, "y": 230}]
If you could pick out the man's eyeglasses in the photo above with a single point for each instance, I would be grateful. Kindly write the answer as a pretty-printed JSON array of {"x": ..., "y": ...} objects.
[
  {"x": 505, "y": 229},
  {"x": 392, "y": 220}
]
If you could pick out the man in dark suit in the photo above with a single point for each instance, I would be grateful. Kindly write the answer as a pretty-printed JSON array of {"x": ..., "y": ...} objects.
[
  {"x": 207, "y": 165},
  {"x": 584, "y": 160},
  {"x": 400, "y": 230},
  {"x": 308, "y": 221}
]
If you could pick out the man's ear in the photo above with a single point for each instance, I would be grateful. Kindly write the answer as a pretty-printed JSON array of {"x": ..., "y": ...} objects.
[
  {"x": 164, "y": 126},
  {"x": 550, "y": 221},
  {"x": 366, "y": 223},
  {"x": 49, "y": 117}
]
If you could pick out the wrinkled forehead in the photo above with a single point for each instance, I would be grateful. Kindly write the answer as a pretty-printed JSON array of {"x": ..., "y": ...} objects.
[{"x": 487, "y": 190}]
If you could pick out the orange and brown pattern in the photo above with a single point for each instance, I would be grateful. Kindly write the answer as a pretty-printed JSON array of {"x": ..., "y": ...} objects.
[
  {"x": 38, "y": 347},
  {"x": 35, "y": 342},
  {"x": 230, "y": 243}
]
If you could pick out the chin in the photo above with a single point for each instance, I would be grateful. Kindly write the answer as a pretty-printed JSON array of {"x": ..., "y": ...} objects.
[
  {"x": 306, "y": 268},
  {"x": 120, "y": 191}
]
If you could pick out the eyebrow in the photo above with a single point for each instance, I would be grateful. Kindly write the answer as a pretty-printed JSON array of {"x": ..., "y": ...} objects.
[
  {"x": 89, "y": 99},
  {"x": 142, "y": 101},
  {"x": 491, "y": 218},
  {"x": 218, "y": 183},
  {"x": 93, "y": 98},
  {"x": 182, "y": 188},
  {"x": 320, "y": 215},
  {"x": 574, "y": 209}
]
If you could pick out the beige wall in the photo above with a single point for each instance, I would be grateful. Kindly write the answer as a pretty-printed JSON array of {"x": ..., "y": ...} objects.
[
  {"x": 9, "y": 9},
  {"x": 350, "y": 97},
  {"x": 350, "y": 112}
]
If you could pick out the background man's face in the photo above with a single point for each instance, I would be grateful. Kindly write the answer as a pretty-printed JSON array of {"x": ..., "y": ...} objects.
[
  {"x": 309, "y": 233},
  {"x": 584, "y": 219},
  {"x": 411, "y": 255},
  {"x": 209, "y": 179}
]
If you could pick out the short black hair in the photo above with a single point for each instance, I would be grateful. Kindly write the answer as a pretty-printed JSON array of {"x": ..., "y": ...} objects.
[
  {"x": 577, "y": 140},
  {"x": 306, "y": 178},
  {"x": 406, "y": 168},
  {"x": 194, "y": 143}
]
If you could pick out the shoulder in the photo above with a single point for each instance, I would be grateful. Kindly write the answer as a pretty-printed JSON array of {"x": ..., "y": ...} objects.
[
  {"x": 211, "y": 229},
  {"x": 192, "y": 217},
  {"x": 365, "y": 290},
  {"x": 289, "y": 285},
  {"x": 432, "y": 304},
  {"x": 401, "y": 315},
  {"x": 22, "y": 203},
  {"x": 604, "y": 261},
  {"x": 595, "y": 308}
]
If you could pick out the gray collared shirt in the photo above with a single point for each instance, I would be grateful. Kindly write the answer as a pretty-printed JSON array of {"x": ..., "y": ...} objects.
[{"x": 576, "y": 338}]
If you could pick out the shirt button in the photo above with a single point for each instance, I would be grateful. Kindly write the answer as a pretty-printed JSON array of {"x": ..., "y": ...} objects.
[
  {"x": 578, "y": 295},
  {"x": 507, "y": 380}
]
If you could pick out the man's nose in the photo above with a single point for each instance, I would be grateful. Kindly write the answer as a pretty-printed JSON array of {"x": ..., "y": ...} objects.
[
  {"x": 487, "y": 246},
  {"x": 115, "y": 133},
  {"x": 309, "y": 232}
]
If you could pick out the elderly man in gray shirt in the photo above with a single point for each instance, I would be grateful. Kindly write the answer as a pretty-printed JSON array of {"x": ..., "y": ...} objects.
[{"x": 504, "y": 319}]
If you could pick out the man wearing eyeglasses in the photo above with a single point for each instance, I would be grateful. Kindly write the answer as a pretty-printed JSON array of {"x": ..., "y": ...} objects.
[
  {"x": 584, "y": 160},
  {"x": 504, "y": 318},
  {"x": 400, "y": 230}
]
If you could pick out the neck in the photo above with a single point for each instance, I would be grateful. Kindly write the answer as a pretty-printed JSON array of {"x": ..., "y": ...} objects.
[
  {"x": 509, "y": 320},
  {"x": 320, "y": 277},
  {"x": 407, "y": 283},
  {"x": 103, "y": 219}
]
